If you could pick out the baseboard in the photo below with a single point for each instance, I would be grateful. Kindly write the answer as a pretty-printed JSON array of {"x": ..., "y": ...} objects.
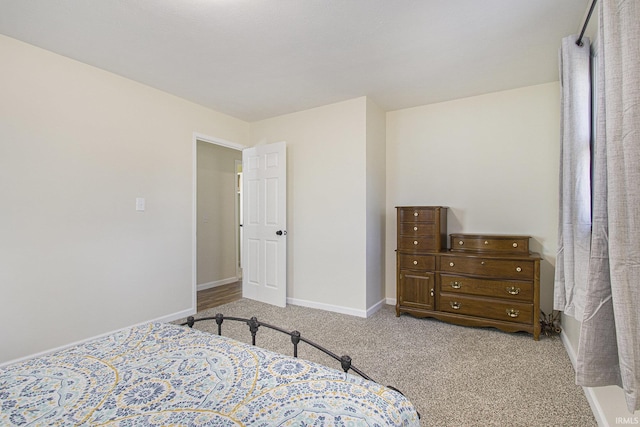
[
  {"x": 164, "y": 319},
  {"x": 327, "y": 307},
  {"x": 569, "y": 348},
  {"x": 391, "y": 301},
  {"x": 589, "y": 393},
  {"x": 216, "y": 283},
  {"x": 375, "y": 307}
]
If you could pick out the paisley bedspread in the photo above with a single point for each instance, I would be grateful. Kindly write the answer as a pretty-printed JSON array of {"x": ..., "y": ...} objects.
[{"x": 161, "y": 374}]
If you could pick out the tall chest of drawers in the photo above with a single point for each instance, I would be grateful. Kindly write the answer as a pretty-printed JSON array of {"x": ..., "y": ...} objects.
[
  {"x": 483, "y": 280},
  {"x": 422, "y": 232}
]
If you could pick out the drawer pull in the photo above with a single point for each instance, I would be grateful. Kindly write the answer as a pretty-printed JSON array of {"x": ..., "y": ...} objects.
[
  {"x": 415, "y": 262},
  {"x": 515, "y": 245},
  {"x": 461, "y": 242},
  {"x": 415, "y": 242},
  {"x": 455, "y": 305},
  {"x": 482, "y": 262},
  {"x": 456, "y": 285},
  {"x": 511, "y": 312},
  {"x": 431, "y": 292},
  {"x": 415, "y": 214},
  {"x": 415, "y": 228},
  {"x": 518, "y": 269},
  {"x": 513, "y": 290},
  {"x": 486, "y": 242},
  {"x": 451, "y": 264}
]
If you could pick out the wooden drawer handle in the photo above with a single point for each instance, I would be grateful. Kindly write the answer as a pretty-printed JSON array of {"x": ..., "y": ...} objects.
[
  {"x": 511, "y": 312},
  {"x": 455, "y": 305},
  {"x": 456, "y": 285},
  {"x": 513, "y": 290}
]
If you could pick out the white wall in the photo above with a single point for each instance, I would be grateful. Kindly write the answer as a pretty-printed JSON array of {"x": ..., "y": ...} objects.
[
  {"x": 376, "y": 202},
  {"x": 492, "y": 159},
  {"x": 77, "y": 146},
  {"x": 326, "y": 202},
  {"x": 216, "y": 224}
]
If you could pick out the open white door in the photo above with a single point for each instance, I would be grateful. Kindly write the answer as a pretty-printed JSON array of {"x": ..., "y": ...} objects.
[{"x": 264, "y": 227}]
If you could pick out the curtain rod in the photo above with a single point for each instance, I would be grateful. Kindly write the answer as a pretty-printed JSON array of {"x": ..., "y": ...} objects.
[{"x": 586, "y": 22}]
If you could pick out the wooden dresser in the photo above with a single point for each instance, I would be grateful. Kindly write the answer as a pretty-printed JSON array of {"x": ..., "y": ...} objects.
[{"x": 483, "y": 280}]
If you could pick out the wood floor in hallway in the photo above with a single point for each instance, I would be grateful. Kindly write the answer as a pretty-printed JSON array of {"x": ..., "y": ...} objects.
[{"x": 219, "y": 295}]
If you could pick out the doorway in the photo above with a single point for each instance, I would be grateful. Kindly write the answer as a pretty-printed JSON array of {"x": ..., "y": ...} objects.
[{"x": 217, "y": 214}]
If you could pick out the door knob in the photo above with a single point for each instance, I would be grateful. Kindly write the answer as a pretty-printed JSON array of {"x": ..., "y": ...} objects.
[{"x": 280, "y": 232}]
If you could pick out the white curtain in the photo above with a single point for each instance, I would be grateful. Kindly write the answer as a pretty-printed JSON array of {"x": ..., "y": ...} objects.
[
  {"x": 574, "y": 227},
  {"x": 609, "y": 349}
]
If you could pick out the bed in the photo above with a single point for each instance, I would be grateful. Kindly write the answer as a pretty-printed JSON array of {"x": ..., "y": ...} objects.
[{"x": 163, "y": 374}]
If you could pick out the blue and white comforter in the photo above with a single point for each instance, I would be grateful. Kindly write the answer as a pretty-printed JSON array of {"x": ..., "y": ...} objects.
[{"x": 161, "y": 374}]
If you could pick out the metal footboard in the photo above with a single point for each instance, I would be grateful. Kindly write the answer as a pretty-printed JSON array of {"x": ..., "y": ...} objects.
[{"x": 254, "y": 324}]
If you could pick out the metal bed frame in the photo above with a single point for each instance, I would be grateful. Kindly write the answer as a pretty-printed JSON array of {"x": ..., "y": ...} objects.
[{"x": 254, "y": 324}]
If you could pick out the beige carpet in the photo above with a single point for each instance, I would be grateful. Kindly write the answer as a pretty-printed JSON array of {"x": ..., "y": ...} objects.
[{"x": 454, "y": 375}]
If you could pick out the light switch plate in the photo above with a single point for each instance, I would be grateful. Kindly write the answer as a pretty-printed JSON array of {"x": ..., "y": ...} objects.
[{"x": 140, "y": 204}]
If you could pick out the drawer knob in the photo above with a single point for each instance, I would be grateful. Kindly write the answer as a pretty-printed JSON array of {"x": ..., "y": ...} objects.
[
  {"x": 513, "y": 290},
  {"x": 511, "y": 312},
  {"x": 431, "y": 292},
  {"x": 455, "y": 305},
  {"x": 415, "y": 228},
  {"x": 518, "y": 269},
  {"x": 486, "y": 242},
  {"x": 482, "y": 263},
  {"x": 515, "y": 245},
  {"x": 461, "y": 242},
  {"x": 415, "y": 242},
  {"x": 451, "y": 264},
  {"x": 415, "y": 214},
  {"x": 456, "y": 285},
  {"x": 415, "y": 262}
]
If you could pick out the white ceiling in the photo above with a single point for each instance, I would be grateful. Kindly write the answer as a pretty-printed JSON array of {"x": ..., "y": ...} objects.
[{"x": 255, "y": 59}]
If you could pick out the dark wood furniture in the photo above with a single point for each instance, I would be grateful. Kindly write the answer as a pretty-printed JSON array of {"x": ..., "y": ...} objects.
[
  {"x": 483, "y": 280},
  {"x": 422, "y": 232}
]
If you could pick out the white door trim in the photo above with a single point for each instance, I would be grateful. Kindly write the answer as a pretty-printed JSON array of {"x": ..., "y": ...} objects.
[{"x": 194, "y": 204}]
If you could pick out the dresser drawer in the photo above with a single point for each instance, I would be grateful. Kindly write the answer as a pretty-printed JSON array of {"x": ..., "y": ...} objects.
[
  {"x": 416, "y": 262},
  {"x": 489, "y": 267},
  {"x": 515, "y": 290},
  {"x": 483, "y": 243},
  {"x": 417, "y": 214},
  {"x": 517, "y": 312},
  {"x": 418, "y": 243},
  {"x": 417, "y": 229}
]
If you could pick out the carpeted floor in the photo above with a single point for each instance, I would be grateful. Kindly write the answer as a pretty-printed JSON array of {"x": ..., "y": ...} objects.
[{"x": 454, "y": 375}]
